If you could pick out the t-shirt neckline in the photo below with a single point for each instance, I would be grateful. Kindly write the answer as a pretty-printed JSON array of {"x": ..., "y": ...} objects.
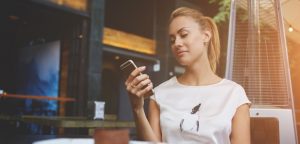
[{"x": 198, "y": 86}]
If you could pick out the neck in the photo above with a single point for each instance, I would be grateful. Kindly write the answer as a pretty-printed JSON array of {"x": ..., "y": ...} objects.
[{"x": 199, "y": 73}]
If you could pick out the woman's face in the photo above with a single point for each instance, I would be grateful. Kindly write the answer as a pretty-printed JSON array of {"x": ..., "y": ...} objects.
[{"x": 187, "y": 40}]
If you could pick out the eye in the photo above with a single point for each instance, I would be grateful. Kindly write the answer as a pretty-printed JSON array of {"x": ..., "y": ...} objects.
[{"x": 183, "y": 34}]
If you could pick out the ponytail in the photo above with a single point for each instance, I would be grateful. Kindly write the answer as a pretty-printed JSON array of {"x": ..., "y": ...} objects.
[{"x": 213, "y": 51}]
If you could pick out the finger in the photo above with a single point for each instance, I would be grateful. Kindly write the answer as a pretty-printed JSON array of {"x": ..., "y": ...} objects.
[
  {"x": 144, "y": 91},
  {"x": 138, "y": 79},
  {"x": 131, "y": 91},
  {"x": 135, "y": 89},
  {"x": 135, "y": 73},
  {"x": 143, "y": 84}
]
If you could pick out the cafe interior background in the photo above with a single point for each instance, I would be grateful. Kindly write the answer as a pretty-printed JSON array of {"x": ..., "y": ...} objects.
[{"x": 59, "y": 56}]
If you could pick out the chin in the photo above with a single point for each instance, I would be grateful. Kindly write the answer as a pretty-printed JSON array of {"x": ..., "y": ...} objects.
[{"x": 182, "y": 62}]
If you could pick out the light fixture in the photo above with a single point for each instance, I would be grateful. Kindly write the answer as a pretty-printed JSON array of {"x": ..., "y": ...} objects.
[
  {"x": 117, "y": 57},
  {"x": 291, "y": 29},
  {"x": 80, "y": 36}
]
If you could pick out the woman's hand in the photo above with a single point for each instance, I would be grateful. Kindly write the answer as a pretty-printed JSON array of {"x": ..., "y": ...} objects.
[{"x": 138, "y": 86}]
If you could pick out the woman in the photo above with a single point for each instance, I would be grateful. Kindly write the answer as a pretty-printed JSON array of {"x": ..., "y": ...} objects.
[{"x": 197, "y": 106}]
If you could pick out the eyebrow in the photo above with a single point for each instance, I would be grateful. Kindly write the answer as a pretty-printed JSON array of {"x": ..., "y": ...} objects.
[{"x": 178, "y": 31}]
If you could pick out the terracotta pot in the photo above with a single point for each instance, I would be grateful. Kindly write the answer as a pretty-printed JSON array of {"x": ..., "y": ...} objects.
[{"x": 111, "y": 136}]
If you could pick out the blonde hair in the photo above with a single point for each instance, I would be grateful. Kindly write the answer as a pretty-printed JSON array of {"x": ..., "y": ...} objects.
[{"x": 205, "y": 23}]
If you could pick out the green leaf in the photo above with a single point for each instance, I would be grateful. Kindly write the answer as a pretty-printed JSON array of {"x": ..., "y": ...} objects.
[{"x": 223, "y": 11}]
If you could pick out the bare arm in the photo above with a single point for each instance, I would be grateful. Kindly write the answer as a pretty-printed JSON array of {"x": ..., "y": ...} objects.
[
  {"x": 241, "y": 126},
  {"x": 154, "y": 120},
  {"x": 143, "y": 126},
  {"x": 138, "y": 85}
]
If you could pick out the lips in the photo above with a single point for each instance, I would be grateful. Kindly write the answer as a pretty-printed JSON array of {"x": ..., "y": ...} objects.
[{"x": 180, "y": 53}]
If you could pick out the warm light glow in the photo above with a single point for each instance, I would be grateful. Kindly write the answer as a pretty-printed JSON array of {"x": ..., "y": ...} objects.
[
  {"x": 291, "y": 29},
  {"x": 75, "y": 4},
  {"x": 13, "y": 17}
]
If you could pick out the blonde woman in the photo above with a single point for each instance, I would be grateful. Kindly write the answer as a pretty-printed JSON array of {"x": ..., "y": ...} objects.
[{"x": 197, "y": 106}]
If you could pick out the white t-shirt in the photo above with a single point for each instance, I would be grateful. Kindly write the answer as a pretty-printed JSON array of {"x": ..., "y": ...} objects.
[{"x": 210, "y": 123}]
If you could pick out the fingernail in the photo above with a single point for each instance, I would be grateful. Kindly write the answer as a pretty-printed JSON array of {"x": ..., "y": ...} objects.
[{"x": 142, "y": 67}]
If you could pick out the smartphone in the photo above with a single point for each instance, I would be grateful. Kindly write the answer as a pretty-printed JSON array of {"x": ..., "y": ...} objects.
[{"x": 127, "y": 67}]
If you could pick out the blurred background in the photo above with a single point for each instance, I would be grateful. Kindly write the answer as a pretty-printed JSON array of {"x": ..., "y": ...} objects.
[{"x": 56, "y": 56}]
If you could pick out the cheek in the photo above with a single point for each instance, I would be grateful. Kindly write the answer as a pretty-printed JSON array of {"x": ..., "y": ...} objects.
[
  {"x": 198, "y": 39},
  {"x": 198, "y": 42}
]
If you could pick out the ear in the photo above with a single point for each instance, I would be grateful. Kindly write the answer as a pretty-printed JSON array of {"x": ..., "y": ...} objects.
[{"x": 206, "y": 35}]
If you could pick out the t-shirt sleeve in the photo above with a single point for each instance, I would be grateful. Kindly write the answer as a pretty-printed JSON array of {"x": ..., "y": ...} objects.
[
  {"x": 242, "y": 97},
  {"x": 154, "y": 97}
]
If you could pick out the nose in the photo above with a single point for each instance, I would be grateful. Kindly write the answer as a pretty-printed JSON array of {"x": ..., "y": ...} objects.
[{"x": 178, "y": 42}]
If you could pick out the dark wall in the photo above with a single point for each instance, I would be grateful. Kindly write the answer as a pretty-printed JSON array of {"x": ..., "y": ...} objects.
[{"x": 134, "y": 16}]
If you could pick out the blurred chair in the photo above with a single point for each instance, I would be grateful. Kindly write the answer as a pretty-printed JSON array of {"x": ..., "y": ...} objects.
[
  {"x": 264, "y": 130},
  {"x": 272, "y": 126}
]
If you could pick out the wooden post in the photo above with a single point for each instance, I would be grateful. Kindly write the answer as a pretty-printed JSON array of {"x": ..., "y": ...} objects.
[{"x": 94, "y": 63}]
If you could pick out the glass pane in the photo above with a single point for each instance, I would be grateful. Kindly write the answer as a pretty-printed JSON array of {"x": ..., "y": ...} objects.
[{"x": 259, "y": 59}]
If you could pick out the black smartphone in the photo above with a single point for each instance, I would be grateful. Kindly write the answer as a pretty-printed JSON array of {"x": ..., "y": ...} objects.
[{"x": 127, "y": 67}]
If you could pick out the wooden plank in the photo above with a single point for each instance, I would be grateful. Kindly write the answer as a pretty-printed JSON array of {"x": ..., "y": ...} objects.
[
  {"x": 19, "y": 96},
  {"x": 80, "y": 5},
  {"x": 76, "y": 122},
  {"x": 71, "y": 122},
  {"x": 128, "y": 41}
]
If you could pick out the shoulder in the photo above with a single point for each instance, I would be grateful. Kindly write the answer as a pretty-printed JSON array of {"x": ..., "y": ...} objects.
[
  {"x": 233, "y": 90},
  {"x": 163, "y": 88},
  {"x": 170, "y": 82},
  {"x": 238, "y": 93},
  {"x": 233, "y": 85}
]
